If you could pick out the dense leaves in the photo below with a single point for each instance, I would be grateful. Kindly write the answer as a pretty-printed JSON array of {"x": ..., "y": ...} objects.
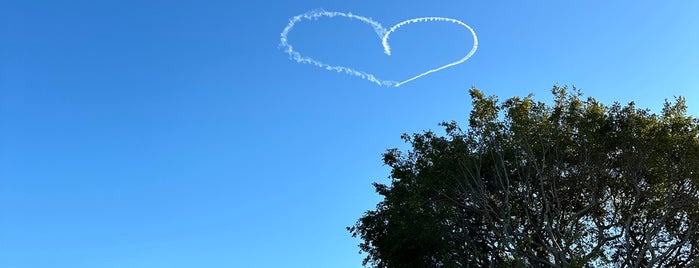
[{"x": 574, "y": 184}]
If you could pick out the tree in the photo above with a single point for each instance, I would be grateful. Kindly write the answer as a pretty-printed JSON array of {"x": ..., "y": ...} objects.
[{"x": 572, "y": 184}]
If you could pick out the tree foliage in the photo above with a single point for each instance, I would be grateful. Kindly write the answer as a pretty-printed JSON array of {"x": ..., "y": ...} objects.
[{"x": 571, "y": 184}]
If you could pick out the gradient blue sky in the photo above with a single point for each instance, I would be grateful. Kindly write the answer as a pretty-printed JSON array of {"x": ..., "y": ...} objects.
[{"x": 178, "y": 134}]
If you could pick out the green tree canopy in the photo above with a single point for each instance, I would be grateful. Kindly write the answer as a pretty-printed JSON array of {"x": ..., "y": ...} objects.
[{"x": 571, "y": 184}]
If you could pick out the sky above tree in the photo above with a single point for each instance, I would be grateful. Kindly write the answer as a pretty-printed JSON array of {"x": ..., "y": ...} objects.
[{"x": 180, "y": 133}]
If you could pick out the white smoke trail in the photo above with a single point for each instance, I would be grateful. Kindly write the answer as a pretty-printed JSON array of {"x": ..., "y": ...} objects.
[
  {"x": 381, "y": 32},
  {"x": 387, "y": 48}
]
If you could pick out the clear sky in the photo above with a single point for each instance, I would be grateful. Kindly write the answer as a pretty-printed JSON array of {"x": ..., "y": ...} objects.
[{"x": 179, "y": 134}]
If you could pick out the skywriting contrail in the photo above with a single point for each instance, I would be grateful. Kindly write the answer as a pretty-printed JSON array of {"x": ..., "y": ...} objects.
[{"x": 382, "y": 32}]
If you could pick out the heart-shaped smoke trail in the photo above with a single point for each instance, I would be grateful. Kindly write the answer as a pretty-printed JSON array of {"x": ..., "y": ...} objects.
[{"x": 382, "y": 32}]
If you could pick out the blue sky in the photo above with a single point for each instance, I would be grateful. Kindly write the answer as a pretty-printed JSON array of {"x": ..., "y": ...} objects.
[{"x": 179, "y": 134}]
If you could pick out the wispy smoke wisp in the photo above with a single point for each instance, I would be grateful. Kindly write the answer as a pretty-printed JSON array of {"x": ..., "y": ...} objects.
[{"x": 383, "y": 34}]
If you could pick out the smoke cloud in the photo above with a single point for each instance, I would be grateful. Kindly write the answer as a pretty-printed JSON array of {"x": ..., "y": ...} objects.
[{"x": 383, "y": 33}]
